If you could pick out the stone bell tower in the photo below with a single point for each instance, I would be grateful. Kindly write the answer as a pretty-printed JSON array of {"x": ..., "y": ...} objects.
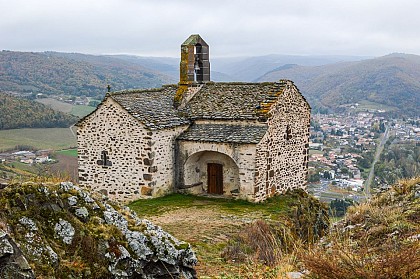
[{"x": 195, "y": 64}]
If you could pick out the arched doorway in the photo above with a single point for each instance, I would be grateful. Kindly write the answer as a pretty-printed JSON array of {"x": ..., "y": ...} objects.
[{"x": 215, "y": 172}]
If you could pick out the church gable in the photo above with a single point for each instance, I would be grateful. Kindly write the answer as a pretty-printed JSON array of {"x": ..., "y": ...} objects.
[{"x": 109, "y": 160}]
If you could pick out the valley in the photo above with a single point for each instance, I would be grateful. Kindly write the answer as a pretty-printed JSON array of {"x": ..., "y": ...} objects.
[{"x": 338, "y": 88}]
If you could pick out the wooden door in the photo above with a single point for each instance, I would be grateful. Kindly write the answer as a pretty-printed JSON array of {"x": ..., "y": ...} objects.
[{"x": 214, "y": 178}]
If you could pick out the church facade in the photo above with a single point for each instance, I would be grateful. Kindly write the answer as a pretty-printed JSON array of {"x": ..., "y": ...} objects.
[{"x": 243, "y": 140}]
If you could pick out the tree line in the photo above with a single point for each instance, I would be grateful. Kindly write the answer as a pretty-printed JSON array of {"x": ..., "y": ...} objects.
[
  {"x": 398, "y": 161},
  {"x": 18, "y": 113}
]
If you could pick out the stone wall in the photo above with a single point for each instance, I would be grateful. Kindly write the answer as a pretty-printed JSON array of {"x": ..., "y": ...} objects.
[
  {"x": 282, "y": 154},
  {"x": 131, "y": 150},
  {"x": 238, "y": 162},
  {"x": 162, "y": 160}
]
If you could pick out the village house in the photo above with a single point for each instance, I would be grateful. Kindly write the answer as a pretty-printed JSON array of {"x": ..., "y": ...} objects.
[{"x": 244, "y": 140}]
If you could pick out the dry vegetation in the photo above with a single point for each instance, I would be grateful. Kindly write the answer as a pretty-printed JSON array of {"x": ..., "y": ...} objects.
[
  {"x": 238, "y": 239},
  {"x": 379, "y": 239}
]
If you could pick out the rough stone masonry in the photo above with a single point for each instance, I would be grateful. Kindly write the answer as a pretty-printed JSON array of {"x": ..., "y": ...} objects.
[{"x": 244, "y": 140}]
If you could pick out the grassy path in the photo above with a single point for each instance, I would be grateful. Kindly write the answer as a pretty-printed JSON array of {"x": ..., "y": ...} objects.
[{"x": 207, "y": 224}]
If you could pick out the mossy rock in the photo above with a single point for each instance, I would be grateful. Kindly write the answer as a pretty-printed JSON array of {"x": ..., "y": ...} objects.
[{"x": 107, "y": 241}]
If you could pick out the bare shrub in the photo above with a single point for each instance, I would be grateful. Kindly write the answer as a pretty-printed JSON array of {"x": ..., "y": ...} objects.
[{"x": 257, "y": 243}]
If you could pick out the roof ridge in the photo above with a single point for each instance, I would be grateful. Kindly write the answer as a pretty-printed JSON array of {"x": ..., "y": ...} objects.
[{"x": 142, "y": 90}]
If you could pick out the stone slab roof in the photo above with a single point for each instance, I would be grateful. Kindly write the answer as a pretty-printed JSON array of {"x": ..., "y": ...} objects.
[
  {"x": 224, "y": 133},
  {"x": 236, "y": 101},
  {"x": 154, "y": 108},
  {"x": 194, "y": 39}
]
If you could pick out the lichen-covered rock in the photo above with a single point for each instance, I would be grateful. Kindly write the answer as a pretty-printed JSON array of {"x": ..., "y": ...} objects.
[
  {"x": 72, "y": 200},
  {"x": 12, "y": 263},
  {"x": 28, "y": 223},
  {"x": 65, "y": 231},
  {"x": 5, "y": 247},
  {"x": 82, "y": 213}
]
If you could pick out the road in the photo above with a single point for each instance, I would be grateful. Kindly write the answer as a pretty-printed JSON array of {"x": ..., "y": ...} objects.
[
  {"x": 71, "y": 130},
  {"x": 378, "y": 152}
]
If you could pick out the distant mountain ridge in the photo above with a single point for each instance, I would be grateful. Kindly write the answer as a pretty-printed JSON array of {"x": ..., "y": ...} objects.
[
  {"x": 326, "y": 81},
  {"x": 392, "y": 80},
  {"x": 250, "y": 68}
]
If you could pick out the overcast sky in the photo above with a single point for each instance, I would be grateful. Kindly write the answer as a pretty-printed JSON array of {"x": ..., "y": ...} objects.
[{"x": 230, "y": 27}]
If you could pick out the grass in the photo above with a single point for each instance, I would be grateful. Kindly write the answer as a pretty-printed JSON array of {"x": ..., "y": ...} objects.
[
  {"x": 312, "y": 151},
  {"x": 81, "y": 111},
  {"x": 68, "y": 152},
  {"x": 19, "y": 169},
  {"x": 208, "y": 224},
  {"x": 77, "y": 110},
  {"x": 24, "y": 167},
  {"x": 367, "y": 105},
  {"x": 374, "y": 240},
  {"x": 212, "y": 225},
  {"x": 152, "y": 207},
  {"x": 39, "y": 138}
]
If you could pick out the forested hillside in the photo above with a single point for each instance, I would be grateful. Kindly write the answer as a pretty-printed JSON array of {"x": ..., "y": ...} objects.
[
  {"x": 20, "y": 113},
  {"x": 392, "y": 80},
  {"x": 72, "y": 74}
]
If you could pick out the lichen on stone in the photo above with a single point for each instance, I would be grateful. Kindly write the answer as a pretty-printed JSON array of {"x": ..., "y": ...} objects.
[{"x": 65, "y": 230}]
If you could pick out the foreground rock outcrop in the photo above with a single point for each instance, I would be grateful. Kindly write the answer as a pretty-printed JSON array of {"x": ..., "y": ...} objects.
[{"x": 63, "y": 231}]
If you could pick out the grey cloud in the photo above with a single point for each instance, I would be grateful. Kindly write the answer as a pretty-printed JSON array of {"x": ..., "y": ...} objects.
[{"x": 253, "y": 27}]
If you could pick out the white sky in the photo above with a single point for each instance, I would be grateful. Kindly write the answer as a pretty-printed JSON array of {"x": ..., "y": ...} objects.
[{"x": 230, "y": 27}]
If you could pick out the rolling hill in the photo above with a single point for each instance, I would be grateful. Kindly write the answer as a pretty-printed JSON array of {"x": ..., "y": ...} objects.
[
  {"x": 20, "y": 113},
  {"x": 53, "y": 73},
  {"x": 392, "y": 80}
]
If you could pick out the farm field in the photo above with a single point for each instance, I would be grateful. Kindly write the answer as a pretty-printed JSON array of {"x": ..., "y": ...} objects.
[
  {"x": 77, "y": 110},
  {"x": 67, "y": 152},
  {"x": 81, "y": 111},
  {"x": 39, "y": 138},
  {"x": 367, "y": 105},
  {"x": 56, "y": 105}
]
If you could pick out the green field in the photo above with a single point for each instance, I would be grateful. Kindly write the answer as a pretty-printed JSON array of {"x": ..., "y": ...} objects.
[
  {"x": 68, "y": 152},
  {"x": 81, "y": 111},
  {"x": 49, "y": 138},
  {"x": 367, "y": 105},
  {"x": 77, "y": 110},
  {"x": 312, "y": 151},
  {"x": 56, "y": 105}
]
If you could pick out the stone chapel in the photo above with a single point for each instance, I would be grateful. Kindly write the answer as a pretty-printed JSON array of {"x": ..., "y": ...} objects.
[{"x": 236, "y": 139}]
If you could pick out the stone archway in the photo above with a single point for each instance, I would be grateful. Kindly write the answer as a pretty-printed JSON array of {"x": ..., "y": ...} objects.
[{"x": 214, "y": 168}]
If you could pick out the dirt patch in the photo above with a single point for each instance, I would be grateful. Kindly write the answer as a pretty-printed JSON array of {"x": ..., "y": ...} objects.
[{"x": 207, "y": 230}]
